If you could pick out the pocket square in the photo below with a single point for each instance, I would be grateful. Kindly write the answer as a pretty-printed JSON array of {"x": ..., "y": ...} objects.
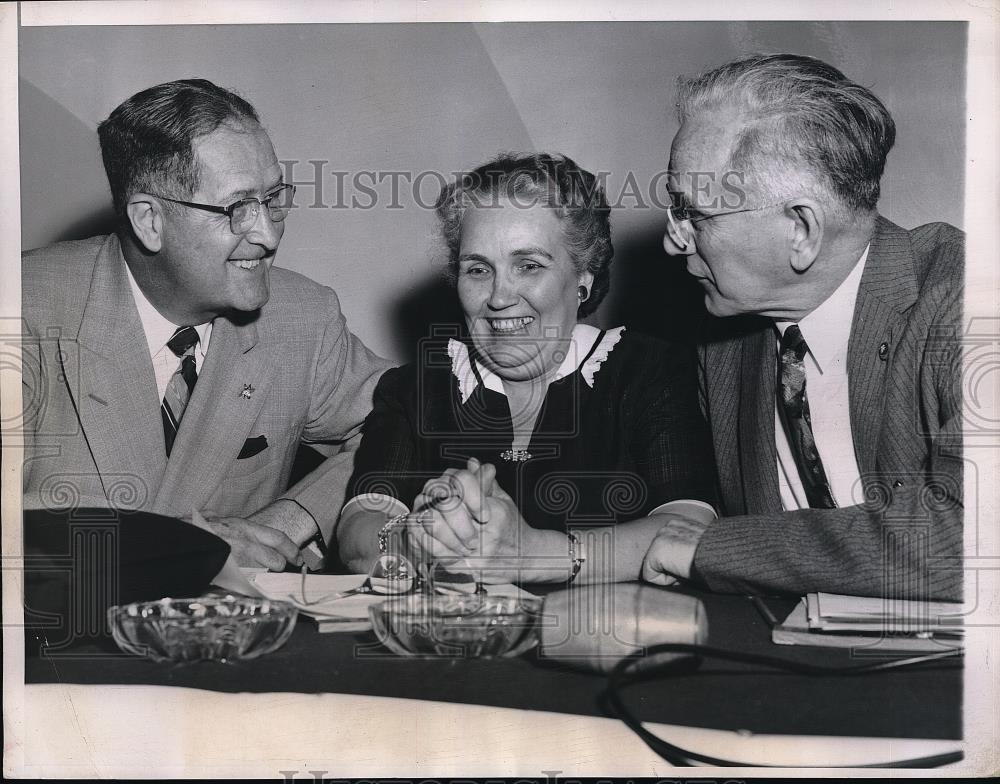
[{"x": 252, "y": 446}]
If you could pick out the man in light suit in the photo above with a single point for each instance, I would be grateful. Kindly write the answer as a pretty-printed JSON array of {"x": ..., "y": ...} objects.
[
  {"x": 831, "y": 379},
  {"x": 171, "y": 367}
]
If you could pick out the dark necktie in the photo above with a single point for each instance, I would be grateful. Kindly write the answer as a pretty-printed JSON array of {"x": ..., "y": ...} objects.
[
  {"x": 794, "y": 410},
  {"x": 181, "y": 385}
]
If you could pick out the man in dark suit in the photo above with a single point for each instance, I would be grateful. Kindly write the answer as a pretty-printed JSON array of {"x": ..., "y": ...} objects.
[
  {"x": 831, "y": 380},
  {"x": 170, "y": 367}
]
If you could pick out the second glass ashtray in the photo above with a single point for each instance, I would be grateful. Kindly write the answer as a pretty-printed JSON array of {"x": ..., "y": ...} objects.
[{"x": 457, "y": 626}]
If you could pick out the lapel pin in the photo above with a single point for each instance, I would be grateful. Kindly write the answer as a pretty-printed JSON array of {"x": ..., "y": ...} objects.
[{"x": 247, "y": 391}]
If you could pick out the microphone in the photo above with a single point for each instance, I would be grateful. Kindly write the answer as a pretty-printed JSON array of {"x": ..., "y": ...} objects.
[{"x": 595, "y": 626}]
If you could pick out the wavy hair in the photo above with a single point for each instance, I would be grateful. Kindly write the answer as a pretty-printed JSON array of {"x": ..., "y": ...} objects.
[
  {"x": 802, "y": 111},
  {"x": 552, "y": 180}
]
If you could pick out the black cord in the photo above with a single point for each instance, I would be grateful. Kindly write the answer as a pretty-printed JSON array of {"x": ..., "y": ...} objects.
[{"x": 625, "y": 673}]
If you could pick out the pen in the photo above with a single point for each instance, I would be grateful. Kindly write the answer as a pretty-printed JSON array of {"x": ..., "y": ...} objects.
[
  {"x": 764, "y": 610},
  {"x": 436, "y": 503}
]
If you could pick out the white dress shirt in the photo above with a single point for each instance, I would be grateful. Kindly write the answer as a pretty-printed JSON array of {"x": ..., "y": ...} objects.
[
  {"x": 158, "y": 331},
  {"x": 826, "y": 331}
]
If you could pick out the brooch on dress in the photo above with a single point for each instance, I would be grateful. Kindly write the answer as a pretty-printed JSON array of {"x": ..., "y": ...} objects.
[{"x": 515, "y": 455}]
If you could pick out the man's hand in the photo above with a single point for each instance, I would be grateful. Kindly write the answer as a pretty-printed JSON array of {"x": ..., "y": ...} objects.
[
  {"x": 252, "y": 543},
  {"x": 671, "y": 552},
  {"x": 289, "y": 518}
]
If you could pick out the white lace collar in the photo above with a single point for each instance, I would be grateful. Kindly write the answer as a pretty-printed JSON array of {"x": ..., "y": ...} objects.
[{"x": 581, "y": 341}]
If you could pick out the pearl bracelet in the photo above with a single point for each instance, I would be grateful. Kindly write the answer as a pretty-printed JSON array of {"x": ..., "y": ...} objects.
[
  {"x": 385, "y": 530},
  {"x": 575, "y": 555}
]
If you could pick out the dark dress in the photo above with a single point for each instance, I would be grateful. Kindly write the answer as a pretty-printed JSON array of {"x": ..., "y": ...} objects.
[{"x": 599, "y": 455}]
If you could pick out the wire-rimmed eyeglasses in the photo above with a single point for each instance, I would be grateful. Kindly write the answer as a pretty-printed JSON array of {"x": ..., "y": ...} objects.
[
  {"x": 243, "y": 214},
  {"x": 390, "y": 575},
  {"x": 680, "y": 219}
]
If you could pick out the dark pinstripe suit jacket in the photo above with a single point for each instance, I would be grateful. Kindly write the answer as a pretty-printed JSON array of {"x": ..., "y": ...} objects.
[{"x": 904, "y": 538}]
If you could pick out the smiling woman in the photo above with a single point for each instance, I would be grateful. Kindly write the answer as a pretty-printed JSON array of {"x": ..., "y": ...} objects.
[
  {"x": 517, "y": 283},
  {"x": 498, "y": 441}
]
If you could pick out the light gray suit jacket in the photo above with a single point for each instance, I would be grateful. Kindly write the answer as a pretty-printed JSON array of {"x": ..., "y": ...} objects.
[
  {"x": 904, "y": 375},
  {"x": 94, "y": 435}
]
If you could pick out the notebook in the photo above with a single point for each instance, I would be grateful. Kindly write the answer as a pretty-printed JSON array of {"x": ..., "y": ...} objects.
[{"x": 838, "y": 621}]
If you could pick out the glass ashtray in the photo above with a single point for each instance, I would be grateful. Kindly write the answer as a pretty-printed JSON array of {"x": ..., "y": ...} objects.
[
  {"x": 471, "y": 626},
  {"x": 210, "y": 628}
]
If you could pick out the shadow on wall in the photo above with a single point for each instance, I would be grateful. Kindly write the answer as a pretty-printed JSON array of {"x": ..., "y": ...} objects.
[
  {"x": 652, "y": 292},
  {"x": 98, "y": 222},
  {"x": 428, "y": 309},
  {"x": 66, "y": 158}
]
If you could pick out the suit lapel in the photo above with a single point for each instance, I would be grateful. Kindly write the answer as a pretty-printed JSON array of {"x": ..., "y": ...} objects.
[
  {"x": 741, "y": 370},
  {"x": 888, "y": 289},
  {"x": 758, "y": 455},
  {"x": 218, "y": 417},
  {"x": 114, "y": 388}
]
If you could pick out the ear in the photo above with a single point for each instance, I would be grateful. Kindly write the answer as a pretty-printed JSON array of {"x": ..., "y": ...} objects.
[
  {"x": 586, "y": 279},
  {"x": 808, "y": 221},
  {"x": 146, "y": 217}
]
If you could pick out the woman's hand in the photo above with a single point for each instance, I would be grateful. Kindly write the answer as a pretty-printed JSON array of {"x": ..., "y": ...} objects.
[
  {"x": 468, "y": 523},
  {"x": 446, "y": 515},
  {"x": 451, "y": 507},
  {"x": 506, "y": 535}
]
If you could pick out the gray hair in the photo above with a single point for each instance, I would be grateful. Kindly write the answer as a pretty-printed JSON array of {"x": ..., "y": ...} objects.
[{"x": 801, "y": 111}]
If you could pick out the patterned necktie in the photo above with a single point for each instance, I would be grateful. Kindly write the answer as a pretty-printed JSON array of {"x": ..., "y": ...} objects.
[
  {"x": 181, "y": 385},
  {"x": 794, "y": 410}
]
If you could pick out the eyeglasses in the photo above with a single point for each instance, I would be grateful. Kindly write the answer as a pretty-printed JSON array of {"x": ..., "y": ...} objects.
[
  {"x": 389, "y": 575},
  {"x": 679, "y": 214},
  {"x": 243, "y": 214}
]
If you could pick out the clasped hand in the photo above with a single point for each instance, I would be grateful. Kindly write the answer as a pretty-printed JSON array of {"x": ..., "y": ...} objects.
[{"x": 466, "y": 522}]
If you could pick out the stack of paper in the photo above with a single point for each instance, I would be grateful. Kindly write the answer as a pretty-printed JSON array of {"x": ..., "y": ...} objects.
[
  {"x": 324, "y": 600},
  {"x": 838, "y": 621},
  {"x": 833, "y": 612}
]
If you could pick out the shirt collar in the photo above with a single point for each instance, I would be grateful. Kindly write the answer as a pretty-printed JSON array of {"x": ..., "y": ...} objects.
[
  {"x": 581, "y": 355},
  {"x": 827, "y": 329},
  {"x": 159, "y": 329}
]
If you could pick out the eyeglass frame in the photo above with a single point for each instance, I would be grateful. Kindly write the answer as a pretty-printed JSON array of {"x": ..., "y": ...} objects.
[
  {"x": 674, "y": 222},
  {"x": 423, "y": 582},
  {"x": 231, "y": 209},
  {"x": 366, "y": 587}
]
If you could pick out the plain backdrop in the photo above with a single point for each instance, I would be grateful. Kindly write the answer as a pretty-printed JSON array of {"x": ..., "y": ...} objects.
[{"x": 413, "y": 103}]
